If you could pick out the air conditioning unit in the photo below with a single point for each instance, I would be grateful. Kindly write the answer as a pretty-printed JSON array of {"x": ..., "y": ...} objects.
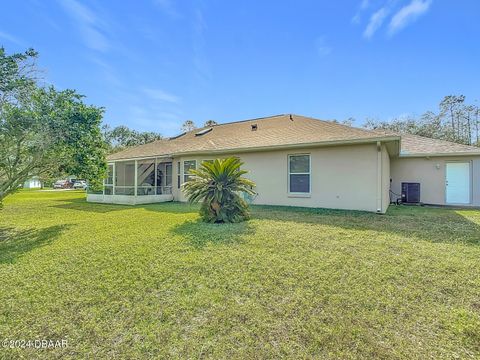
[{"x": 410, "y": 192}]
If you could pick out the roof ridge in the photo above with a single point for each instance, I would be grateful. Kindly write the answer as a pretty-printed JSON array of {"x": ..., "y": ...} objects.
[
  {"x": 221, "y": 124},
  {"x": 240, "y": 121},
  {"x": 336, "y": 123}
]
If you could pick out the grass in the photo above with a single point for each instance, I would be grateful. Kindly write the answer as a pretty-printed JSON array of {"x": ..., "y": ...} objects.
[{"x": 153, "y": 282}]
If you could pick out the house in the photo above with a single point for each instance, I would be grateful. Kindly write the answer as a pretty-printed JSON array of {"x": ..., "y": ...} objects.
[
  {"x": 301, "y": 161},
  {"x": 32, "y": 183}
]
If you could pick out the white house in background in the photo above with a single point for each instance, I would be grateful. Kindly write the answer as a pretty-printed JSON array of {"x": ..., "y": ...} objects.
[
  {"x": 299, "y": 161},
  {"x": 32, "y": 183}
]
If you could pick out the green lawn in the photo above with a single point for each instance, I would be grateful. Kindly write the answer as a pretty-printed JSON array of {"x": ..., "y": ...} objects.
[{"x": 154, "y": 282}]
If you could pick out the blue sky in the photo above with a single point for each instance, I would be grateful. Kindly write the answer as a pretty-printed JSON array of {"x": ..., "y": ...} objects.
[{"x": 155, "y": 63}]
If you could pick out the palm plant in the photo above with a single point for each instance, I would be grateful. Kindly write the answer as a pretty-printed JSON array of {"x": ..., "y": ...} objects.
[{"x": 218, "y": 185}]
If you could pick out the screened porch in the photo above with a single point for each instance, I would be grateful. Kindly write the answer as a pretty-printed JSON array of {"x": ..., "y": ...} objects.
[{"x": 137, "y": 181}]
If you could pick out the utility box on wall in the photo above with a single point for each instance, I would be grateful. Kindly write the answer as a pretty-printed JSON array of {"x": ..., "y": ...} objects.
[{"x": 410, "y": 192}]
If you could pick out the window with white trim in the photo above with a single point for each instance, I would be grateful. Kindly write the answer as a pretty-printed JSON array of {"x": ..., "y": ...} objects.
[
  {"x": 187, "y": 166},
  {"x": 299, "y": 174},
  {"x": 179, "y": 175}
]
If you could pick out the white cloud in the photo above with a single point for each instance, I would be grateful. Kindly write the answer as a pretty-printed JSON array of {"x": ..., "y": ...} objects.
[
  {"x": 11, "y": 38},
  {"x": 376, "y": 21},
  {"x": 407, "y": 14},
  {"x": 323, "y": 49},
  {"x": 201, "y": 63},
  {"x": 158, "y": 94},
  {"x": 91, "y": 27},
  {"x": 357, "y": 18},
  {"x": 148, "y": 118},
  {"x": 365, "y": 4}
]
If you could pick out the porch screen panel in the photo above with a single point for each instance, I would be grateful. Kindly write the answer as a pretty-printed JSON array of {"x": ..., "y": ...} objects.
[
  {"x": 109, "y": 179},
  {"x": 125, "y": 178},
  {"x": 146, "y": 177},
  {"x": 108, "y": 188}
]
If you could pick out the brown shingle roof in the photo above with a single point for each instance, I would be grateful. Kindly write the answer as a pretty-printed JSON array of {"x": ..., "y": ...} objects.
[
  {"x": 279, "y": 130},
  {"x": 282, "y": 130},
  {"x": 414, "y": 144}
]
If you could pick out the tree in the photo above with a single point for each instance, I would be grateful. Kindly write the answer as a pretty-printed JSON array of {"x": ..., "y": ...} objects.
[
  {"x": 476, "y": 124},
  {"x": 218, "y": 185},
  {"x": 347, "y": 122},
  {"x": 122, "y": 137},
  {"x": 452, "y": 106},
  {"x": 456, "y": 121},
  {"x": 188, "y": 125},
  {"x": 43, "y": 130},
  {"x": 210, "y": 123}
]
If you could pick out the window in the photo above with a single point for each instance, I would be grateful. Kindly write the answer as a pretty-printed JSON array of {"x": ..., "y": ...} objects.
[
  {"x": 168, "y": 174},
  {"x": 299, "y": 174},
  {"x": 168, "y": 178},
  {"x": 178, "y": 175},
  {"x": 187, "y": 166}
]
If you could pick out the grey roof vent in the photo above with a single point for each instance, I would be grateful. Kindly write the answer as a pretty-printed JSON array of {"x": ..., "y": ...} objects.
[
  {"x": 254, "y": 127},
  {"x": 176, "y": 136},
  {"x": 203, "y": 132}
]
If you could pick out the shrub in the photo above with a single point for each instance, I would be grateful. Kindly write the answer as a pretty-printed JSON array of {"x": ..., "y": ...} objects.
[{"x": 218, "y": 186}]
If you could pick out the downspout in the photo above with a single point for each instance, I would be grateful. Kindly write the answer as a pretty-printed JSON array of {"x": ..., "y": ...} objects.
[{"x": 379, "y": 177}]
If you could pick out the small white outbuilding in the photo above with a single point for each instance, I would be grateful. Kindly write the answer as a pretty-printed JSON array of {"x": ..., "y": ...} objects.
[{"x": 32, "y": 183}]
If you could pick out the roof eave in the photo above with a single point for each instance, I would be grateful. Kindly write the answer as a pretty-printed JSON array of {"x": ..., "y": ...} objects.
[
  {"x": 162, "y": 156},
  {"x": 451, "y": 154},
  {"x": 291, "y": 146}
]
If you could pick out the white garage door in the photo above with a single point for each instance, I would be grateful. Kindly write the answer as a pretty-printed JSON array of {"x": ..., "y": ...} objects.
[{"x": 458, "y": 183}]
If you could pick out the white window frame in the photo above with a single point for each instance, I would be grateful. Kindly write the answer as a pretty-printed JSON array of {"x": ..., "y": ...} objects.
[
  {"x": 300, "y": 194},
  {"x": 186, "y": 174},
  {"x": 179, "y": 174}
]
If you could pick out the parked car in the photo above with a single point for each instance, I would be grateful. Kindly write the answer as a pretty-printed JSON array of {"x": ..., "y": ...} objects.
[
  {"x": 80, "y": 184},
  {"x": 62, "y": 184}
]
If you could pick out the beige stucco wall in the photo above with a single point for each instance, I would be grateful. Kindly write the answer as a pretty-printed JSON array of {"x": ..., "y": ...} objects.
[
  {"x": 342, "y": 177},
  {"x": 430, "y": 173}
]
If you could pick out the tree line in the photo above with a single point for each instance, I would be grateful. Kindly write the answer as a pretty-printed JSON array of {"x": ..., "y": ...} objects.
[
  {"x": 122, "y": 137},
  {"x": 455, "y": 120}
]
